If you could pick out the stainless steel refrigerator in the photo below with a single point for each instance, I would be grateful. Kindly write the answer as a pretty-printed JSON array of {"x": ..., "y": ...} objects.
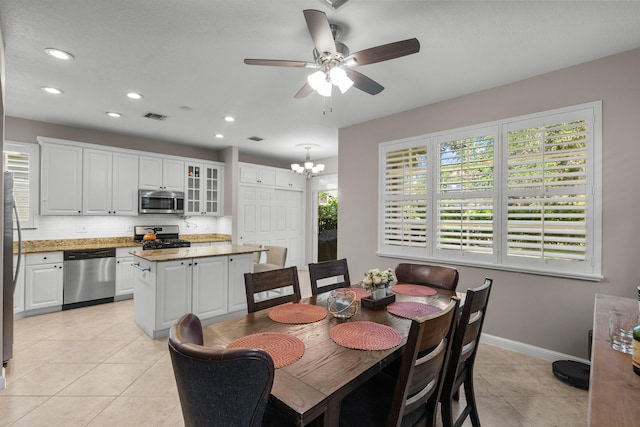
[{"x": 8, "y": 278}]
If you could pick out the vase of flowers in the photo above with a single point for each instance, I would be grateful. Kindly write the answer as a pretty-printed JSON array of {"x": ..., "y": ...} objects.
[{"x": 377, "y": 281}]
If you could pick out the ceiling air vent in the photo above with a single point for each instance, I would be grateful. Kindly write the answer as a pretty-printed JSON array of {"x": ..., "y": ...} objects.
[
  {"x": 255, "y": 138},
  {"x": 155, "y": 116}
]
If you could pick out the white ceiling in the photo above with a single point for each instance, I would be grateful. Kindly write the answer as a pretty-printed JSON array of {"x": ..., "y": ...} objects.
[{"x": 190, "y": 53}]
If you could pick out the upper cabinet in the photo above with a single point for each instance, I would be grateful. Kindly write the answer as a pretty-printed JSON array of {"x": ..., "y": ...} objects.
[
  {"x": 203, "y": 192},
  {"x": 157, "y": 173},
  {"x": 110, "y": 183},
  {"x": 254, "y": 174},
  {"x": 61, "y": 180}
]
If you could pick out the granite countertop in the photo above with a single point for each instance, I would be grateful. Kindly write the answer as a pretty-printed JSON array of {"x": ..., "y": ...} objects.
[
  {"x": 33, "y": 246},
  {"x": 174, "y": 254}
]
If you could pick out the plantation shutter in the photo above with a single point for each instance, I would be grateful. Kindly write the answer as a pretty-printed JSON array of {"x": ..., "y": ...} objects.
[
  {"x": 404, "y": 195},
  {"x": 19, "y": 164},
  {"x": 466, "y": 196},
  {"x": 548, "y": 188}
]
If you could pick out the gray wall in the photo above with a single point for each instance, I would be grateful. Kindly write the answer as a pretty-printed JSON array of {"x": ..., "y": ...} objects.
[
  {"x": 25, "y": 130},
  {"x": 547, "y": 312}
]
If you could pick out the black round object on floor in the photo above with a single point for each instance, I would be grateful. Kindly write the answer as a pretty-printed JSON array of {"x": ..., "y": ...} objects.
[{"x": 574, "y": 373}]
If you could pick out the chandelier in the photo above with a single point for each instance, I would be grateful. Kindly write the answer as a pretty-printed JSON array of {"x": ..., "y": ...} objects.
[{"x": 308, "y": 168}]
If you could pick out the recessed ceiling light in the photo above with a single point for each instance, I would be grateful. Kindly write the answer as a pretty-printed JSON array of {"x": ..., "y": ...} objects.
[
  {"x": 229, "y": 119},
  {"x": 219, "y": 135},
  {"x": 57, "y": 53},
  {"x": 114, "y": 114},
  {"x": 134, "y": 95},
  {"x": 52, "y": 90}
]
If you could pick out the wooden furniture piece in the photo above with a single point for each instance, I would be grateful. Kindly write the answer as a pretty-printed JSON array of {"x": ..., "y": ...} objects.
[
  {"x": 217, "y": 385},
  {"x": 463, "y": 355},
  {"x": 429, "y": 275},
  {"x": 314, "y": 385},
  {"x": 261, "y": 287},
  {"x": 329, "y": 275},
  {"x": 412, "y": 397},
  {"x": 276, "y": 258},
  {"x": 614, "y": 390}
]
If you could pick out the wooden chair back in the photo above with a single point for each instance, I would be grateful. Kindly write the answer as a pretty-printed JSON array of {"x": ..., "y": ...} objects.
[
  {"x": 329, "y": 275},
  {"x": 429, "y": 275},
  {"x": 423, "y": 367},
  {"x": 463, "y": 354},
  {"x": 270, "y": 286}
]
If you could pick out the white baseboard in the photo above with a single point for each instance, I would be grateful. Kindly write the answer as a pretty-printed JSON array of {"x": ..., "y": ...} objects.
[{"x": 529, "y": 350}]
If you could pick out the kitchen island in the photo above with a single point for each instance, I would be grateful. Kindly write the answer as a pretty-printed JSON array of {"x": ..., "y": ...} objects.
[{"x": 207, "y": 281}]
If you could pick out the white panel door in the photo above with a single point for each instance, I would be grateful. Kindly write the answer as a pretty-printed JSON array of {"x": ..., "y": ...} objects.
[
  {"x": 173, "y": 292},
  {"x": 210, "y": 284}
]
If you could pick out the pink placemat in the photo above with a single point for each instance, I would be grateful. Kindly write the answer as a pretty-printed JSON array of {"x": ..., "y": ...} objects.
[
  {"x": 297, "y": 313},
  {"x": 413, "y": 290},
  {"x": 365, "y": 335},
  {"x": 284, "y": 349},
  {"x": 411, "y": 310},
  {"x": 360, "y": 292}
]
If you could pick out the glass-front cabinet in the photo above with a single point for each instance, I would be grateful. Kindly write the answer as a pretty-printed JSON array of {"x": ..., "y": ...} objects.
[{"x": 203, "y": 195}]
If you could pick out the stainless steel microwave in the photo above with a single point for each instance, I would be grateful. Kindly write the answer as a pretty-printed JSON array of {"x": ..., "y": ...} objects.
[{"x": 160, "y": 202}]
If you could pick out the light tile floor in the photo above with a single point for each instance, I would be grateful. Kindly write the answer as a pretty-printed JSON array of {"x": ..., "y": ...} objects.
[{"x": 94, "y": 367}]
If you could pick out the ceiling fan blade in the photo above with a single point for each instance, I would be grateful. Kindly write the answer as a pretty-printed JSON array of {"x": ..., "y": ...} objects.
[
  {"x": 320, "y": 31},
  {"x": 304, "y": 91},
  {"x": 278, "y": 63},
  {"x": 385, "y": 52},
  {"x": 364, "y": 83}
]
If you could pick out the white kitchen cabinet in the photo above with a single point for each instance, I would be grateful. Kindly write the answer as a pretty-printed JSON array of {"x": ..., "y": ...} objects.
[
  {"x": 212, "y": 287},
  {"x": 43, "y": 280},
  {"x": 18, "y": 294},
  {"x": 238, "y": 266},
  {"x": 203, "y": 192},
  {"x": 124, "y": 273},
  {"x": 60, "y": 179},
  {"x": 290, "y": 179},
  {"x": 209, "y": 284},
  {"x": 257, "y": 175},
  {"x": 109, "y": 182},
  {"x": 173, "y": 292},
  {"x": 158, "y": 173}
]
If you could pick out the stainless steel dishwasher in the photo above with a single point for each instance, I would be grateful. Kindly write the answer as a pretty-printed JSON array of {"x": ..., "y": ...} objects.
[{"x": 89, "y": 277}]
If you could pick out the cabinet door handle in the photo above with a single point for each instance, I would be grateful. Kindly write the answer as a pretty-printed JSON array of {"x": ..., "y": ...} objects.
[{"x": 140, "y": 268}]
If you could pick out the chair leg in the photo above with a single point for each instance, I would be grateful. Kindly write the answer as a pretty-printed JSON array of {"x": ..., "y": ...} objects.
[
  {"x": 456, "y": 395},
  {"x": 470, "y": 396},
  {"x": 446, "y": 410}
]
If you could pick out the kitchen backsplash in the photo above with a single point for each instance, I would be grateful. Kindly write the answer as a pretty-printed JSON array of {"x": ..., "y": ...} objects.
[{"x": 81, "y": 227}]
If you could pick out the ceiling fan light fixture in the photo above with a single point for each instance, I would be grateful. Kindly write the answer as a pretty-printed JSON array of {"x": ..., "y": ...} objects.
[
  {"x": 339, "y": 78},
  {"x": 317, "y": 80}
]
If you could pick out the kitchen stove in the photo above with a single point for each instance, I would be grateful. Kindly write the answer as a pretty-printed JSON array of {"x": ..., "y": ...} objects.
[{"x": 167, "y": 236}]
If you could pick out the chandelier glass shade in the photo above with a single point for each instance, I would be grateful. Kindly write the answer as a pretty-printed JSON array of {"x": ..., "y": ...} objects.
[{"x": 308, "y": 168}]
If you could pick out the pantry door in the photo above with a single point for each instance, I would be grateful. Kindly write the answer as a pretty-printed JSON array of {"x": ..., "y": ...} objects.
[{"x": 273, "y": 217}]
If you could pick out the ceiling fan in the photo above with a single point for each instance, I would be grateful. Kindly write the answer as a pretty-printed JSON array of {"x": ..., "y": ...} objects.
[{"x": 333, "y": 61}]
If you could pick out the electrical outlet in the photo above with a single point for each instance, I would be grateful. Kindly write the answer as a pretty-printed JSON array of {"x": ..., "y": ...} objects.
[
  {"x": 81, "y": 229},
  {"x": 129, "y": 228}
]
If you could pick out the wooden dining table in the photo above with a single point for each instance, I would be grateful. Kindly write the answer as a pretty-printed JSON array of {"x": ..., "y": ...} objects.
[{"x": 311, "y": 389}]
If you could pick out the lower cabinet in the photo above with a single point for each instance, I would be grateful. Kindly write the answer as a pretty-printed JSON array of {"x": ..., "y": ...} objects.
[
  {"x": 207, "y": 287},
  {"x": 124, "y": 273},
  {"x": 43, "y": 280}
]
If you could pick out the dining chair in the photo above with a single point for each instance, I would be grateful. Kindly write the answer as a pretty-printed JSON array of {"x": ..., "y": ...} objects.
[
  {"x": 217, "y": 386},
  {"x": 256, "y": 255},
  {"x": 429, "y": 275},
  {"x": 411, "y": 398},
  {"x": 276, "y": 258},
  {"x": 328, "y": 275},
  {"x": 270, "y": 288},
  {"x": 463, "y": 355}
]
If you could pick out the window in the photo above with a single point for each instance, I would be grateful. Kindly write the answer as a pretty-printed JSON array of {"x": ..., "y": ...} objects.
[
  {"x": 519, "y": 194},
  {"x": 22, "y": 160}
]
